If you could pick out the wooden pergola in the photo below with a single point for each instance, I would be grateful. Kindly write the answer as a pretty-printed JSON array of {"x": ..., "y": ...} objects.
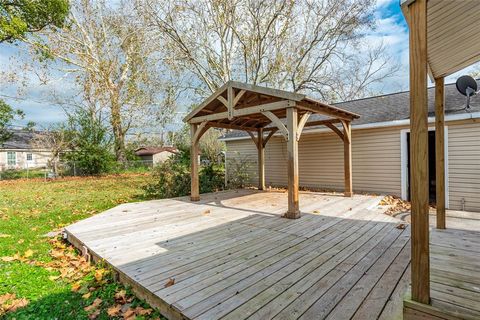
[
  {"x": 262, "y": 112},
  {"x": 443, "y": 40}
]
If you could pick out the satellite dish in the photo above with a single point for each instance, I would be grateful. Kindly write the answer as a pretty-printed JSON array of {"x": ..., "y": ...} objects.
[{"x": 467, "y": 86}]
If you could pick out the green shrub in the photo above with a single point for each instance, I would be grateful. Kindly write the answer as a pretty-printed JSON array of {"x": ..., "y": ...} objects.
[
  {"x": 172, "y": 178},
  {"x": 238, "y": 171},
  {"x": 91, "y": 145}
]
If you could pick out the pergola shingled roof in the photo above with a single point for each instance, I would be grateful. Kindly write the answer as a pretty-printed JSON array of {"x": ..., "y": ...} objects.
[{"x": 258, "y": 110}]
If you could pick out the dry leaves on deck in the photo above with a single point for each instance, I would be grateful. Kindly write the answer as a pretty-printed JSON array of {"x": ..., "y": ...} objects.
[
  {"x": 170, "y": 282},
  {"x": 396, "y": 205},
  {"x": 10, "y": 303},
  {"x": 401, "y": 226}
]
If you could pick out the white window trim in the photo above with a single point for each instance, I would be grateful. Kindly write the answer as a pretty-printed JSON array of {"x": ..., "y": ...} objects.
[
  {"x": 16, "y": 159},
  {"x": 404, "y": 162},
  {"x": 26, "y": 157}
]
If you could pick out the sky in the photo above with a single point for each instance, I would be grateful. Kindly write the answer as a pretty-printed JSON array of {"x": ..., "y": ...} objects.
[{"x": 35, "y": 101}]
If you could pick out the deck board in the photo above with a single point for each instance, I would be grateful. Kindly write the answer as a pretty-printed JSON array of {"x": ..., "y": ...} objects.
[{"x": 233, "y": 256}]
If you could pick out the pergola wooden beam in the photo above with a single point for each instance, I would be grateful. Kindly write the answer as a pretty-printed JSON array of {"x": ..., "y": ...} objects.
[
  {"x": 194, "y": 150},
  {"x": 243, "y": 112},
  {"x": 440, "y": 151},
  {"x": 347, "y": 158},
  {"x": 322, "y": 122},
  {"x": 278, "y": 123},
  {"x": 261, "y": 160},
  {"x": 419, "y": 152},
  {"x": 292, "y": 164},
  {"x": 327, "y": 112}
]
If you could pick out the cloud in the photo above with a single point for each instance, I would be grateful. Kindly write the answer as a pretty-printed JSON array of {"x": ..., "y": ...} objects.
[{"x": 28, "y": 92}]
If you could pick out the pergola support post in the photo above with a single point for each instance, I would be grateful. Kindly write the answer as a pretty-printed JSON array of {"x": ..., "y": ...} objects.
[
  {"x": 419, "y": 152},
  {"x": 292, "y": 149},
  {"x": 440, "y": 151},
  {"x": 261, "y": 160},
  {"x": 347, "y": 158},
  {"x": 194, "y": 187}
]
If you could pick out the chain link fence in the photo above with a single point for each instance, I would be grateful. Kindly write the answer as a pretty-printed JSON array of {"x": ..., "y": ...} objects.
[{"x": 68, "y": 169}]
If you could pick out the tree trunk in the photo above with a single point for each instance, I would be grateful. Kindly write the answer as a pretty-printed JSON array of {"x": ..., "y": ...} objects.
[{"x": 118, "y": 133}]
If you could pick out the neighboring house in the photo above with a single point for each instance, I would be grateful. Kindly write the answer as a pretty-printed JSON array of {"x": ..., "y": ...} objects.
[
  {"x": 380, "y": 143},
  {"x": 18, "y": 152},
  {"x": 155, "y": 155}
]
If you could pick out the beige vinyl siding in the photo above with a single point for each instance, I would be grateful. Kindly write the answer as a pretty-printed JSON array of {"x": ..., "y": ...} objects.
[
  {"x": 464, "y": 165},
  {"x": 375, "y": 153},
  {"x": 376, "y": 160}
]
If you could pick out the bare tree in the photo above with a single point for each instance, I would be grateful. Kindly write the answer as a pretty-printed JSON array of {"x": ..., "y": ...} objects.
[
  {"x": 210, "y": 146},
  {"x": 114, "y": 64},
  {"x": 314, "y": 46},
  {"x": 55, "y": 139}
]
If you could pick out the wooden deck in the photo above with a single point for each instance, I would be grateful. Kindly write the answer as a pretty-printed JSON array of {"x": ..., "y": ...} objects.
[
  {"x": 454, "y": 273},
  {"x": 232, "y": 256}
]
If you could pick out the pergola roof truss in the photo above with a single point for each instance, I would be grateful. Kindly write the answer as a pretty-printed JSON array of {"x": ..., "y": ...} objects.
[{"x": 247, "y": 107}]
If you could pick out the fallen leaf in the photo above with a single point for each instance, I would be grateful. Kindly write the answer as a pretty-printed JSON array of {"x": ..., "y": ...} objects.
[
  {"x": 94, "y": 315},
  {"x": 8, "y": 259},
  {"x": 6, "y": 297},
  {"x": 142, "y": 311},
  {"x": 95, "y": 304},
  {"x": 170, "y": 282},
  {"x": 16, "y": 304},
  {"x": 75, "y": 287},
  {"x": 99, "y": 274},
  {"x": 28, "y": 253},
  {"x": 129, "y": 314},
  {"x": 20, "y": 241},
  {"x": 3, "y": 235},
  {"x": 206, "y": 212},
  {"x": 120, "y": 296},
  {"x": 87, "y": 295},
  {"x": 401, "y": 226},
  {"x": 115, "y": 310}
]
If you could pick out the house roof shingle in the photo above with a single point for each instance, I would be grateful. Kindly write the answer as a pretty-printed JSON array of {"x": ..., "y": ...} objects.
[
  {"x": 20, "y": 139},
  {"x": 149, "y": 151},
  {"x": 392, "y": 107}
]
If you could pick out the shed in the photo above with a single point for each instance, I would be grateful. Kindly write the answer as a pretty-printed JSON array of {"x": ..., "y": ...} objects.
[{"x": 155, "y": 155}]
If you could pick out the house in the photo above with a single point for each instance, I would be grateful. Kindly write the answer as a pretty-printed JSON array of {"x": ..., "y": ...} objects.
[
  {"x": 18, "y": 152},
  {"x": 155, "y": 155},
  {"x": 380, "y": 144}
]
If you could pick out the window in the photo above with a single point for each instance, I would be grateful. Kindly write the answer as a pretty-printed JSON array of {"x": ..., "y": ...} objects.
[
  {"x": 11, "y": 158},
  {"x": 29, "y": 157}
]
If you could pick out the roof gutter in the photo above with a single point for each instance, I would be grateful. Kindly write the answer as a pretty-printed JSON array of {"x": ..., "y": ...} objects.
[{"x": 375, "y": 125}]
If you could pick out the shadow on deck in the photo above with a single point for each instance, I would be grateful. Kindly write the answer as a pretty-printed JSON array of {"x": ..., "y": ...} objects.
[{"x": 232, "y": 256}]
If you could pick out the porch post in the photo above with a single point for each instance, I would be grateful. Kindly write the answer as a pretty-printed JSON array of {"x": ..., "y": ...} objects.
[
  {"x": 440, "y": 151},
  {"x": 261, "y": 160},
  {"x": 347, "y": 158},
  {"x": 419, "y": 152},
  {"x": 194, "y": 191},
  {"x": 292, "y": 148}
]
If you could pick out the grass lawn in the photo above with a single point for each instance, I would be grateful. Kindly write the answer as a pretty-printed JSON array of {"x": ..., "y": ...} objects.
[{"x": 42, "y": 277}]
